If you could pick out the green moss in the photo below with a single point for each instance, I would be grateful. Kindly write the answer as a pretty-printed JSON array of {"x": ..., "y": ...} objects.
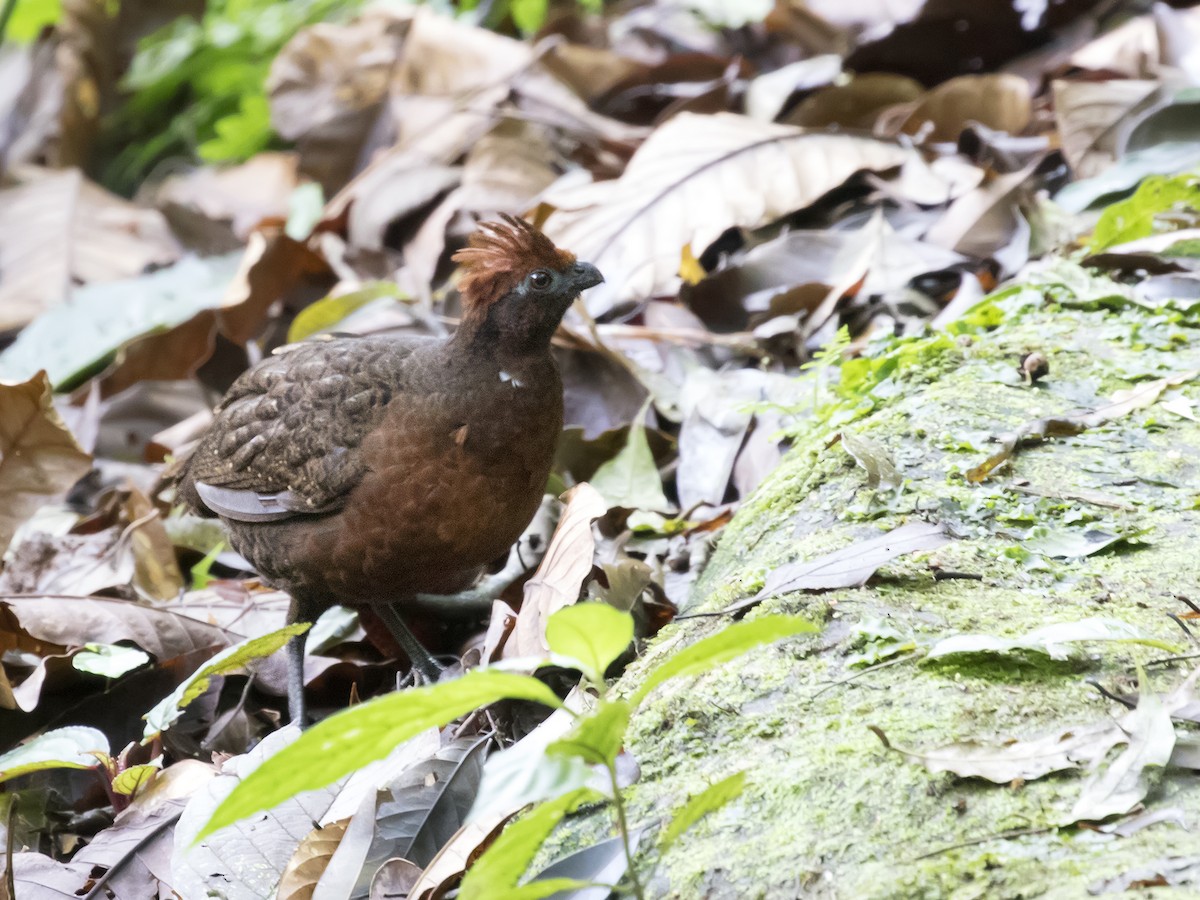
[{"x": 827, "y": 809}]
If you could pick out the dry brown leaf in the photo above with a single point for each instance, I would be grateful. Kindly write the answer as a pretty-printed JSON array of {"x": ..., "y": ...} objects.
[
  {"x": 1130, "y": 49},
  {"x": 58, "y": 229},
  {"x": 51, "y": 624},
  {"x": 1093, "y": 118},
  {"x": 309, "y": 861},
  {"x": 39, "y": 458},
  {"x": 395, "y": 878},
  {"x": 998, "y": 101},
  {"x": 856, "y": 104},
  {"x": 695, "y": 177},
  {"x": 558, "y": 579},
  {"x": 983, "y": 221},
  {"x": 504, "y": 171},
  {"x": 327, "y": 88},
  {"x": 219, "y": 207},
  {"x": 156, "y": 571}
]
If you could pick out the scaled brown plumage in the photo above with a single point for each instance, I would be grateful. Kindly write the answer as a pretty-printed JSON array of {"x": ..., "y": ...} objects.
[{"x": 364, "y": 470}]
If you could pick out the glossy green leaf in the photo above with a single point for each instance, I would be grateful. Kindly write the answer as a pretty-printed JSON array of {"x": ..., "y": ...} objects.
[
  {"x": 598, "y": 736},
  {"x": 496, "y": 873},
  {"x": 630, "y": 479},
  {"x": 232, "y": 659},
  {"x": 708, "y": 800},
  {"x": 72, "y": 747},
  {"x": 595, "y": 634},
  {"x": 727, "y": 644},
  {"x": 367, "y": 732},
  {"x": 329, "y": 311}
]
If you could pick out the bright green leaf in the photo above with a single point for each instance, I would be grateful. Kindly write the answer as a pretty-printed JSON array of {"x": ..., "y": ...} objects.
[
  {"x": 73, "y": 747},
  {"x": 329, "y": 311},
  {"x": 496, "y": 873},
  {"x": 232, "y": 659},
  {"x": 593, "y": 633},
  {"x": 529, "y": 15},
  {"x": 1138, "y": 217},
  {"x": 29, "y": 17},
  {"x": 109, "y": 660},
  {"x": 725, "y": 645},
  {"x": 598, "y": 736},
  {"x": 200, "y": 571},
  {"x": 708, "y": 800},
  {"x": 362, "y": 734},
  {"x": 129, "y": 781},
  {"x": 630, "y": 479}
]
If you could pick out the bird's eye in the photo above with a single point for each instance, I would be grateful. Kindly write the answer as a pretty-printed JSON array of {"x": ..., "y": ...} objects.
[{"x": 540, "y": 279}]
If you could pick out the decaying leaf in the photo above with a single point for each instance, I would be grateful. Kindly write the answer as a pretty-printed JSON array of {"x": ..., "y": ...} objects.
[
  {"x": 57, "y": 229},
  {"x": 309, "y": 861},
  {"x": 692, "y": 179},
  {"x": 874, "y": 458},
  {"x": 998, "y": 101},
  {"x": 848, "y": 567},
  {"x": 1121, "y": 785},
  {"x": 1122, "y": 403},
  {"x": 39, "y": 458},
  {"x": 559, "y": 578}
]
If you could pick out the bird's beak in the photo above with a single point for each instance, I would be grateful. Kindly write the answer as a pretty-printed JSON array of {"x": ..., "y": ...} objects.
[{"x": 585, "y": 275}]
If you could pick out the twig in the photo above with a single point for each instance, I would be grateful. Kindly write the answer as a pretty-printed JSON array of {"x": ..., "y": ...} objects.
[{"x": 1003, "y": 835}]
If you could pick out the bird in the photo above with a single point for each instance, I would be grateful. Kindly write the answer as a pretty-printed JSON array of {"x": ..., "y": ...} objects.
[{"x": 365, "y": 470}]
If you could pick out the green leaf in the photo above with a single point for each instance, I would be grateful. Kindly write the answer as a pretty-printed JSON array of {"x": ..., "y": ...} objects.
[
  {"x": 593, "y": 633},
  {"x": 306, "y": 204},
  {"x": 329, "y": 311},
  {"x": 200, "y": 576},
  {"x": 73, "y": 747},
  {"x": 529, "y": 15},
  {"x": 30, "y": 17},
  {"x": 598, "y": 736},
  {"x": 630, "y": 479},
  {"x": 496, "y": 873},
  {"x": 129, "y": 781},
  {"x": 362, "y": 734},
  {"x": 708, "y": 800},
  {"x": 725, "y": 645},
  {"x": 109, "y": 660},
  {"x": 229, "y": 660},
  {"x": 1138, "y": 217}
]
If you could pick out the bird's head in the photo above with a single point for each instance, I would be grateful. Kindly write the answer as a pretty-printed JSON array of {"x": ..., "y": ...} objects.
[{"x": 516, "y": 285}]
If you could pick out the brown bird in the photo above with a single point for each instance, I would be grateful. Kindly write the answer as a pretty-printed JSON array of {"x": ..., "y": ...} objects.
[{"x": 366, "y": 470}]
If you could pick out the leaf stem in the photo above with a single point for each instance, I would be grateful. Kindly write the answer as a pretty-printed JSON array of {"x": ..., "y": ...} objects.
[{"x": 623, "y": 826}]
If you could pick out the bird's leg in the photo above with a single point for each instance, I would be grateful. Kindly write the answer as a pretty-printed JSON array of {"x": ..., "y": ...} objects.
[
  {"x": 297, "y": 708},
  {"x": 421, "y": 661}
]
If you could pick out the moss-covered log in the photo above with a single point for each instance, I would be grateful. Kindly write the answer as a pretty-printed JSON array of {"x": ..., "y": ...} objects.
[{"x": 828, "y": 810}]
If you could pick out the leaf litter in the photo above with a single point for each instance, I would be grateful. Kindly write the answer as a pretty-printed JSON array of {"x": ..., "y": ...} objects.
[{"x": 662, "y": 167}]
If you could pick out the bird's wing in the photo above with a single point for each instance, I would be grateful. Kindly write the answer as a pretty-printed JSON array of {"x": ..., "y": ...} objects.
[{"x": 286, "y": 439}]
